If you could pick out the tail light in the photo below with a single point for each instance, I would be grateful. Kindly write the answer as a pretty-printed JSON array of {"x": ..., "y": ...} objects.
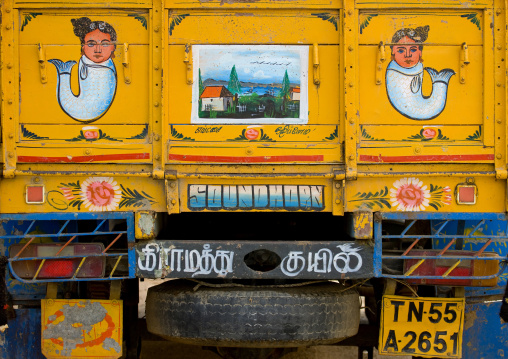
[
  {"x": 46, "y": 262},
  {"x": 450, "y": 267}
]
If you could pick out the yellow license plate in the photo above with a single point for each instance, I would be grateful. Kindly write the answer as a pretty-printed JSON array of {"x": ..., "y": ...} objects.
[{"x": 426, "y": 327}]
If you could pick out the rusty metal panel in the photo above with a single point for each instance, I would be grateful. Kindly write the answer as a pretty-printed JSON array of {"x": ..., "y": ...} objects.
[
  {"x": 254, "y": 259},
  {"x": 82, "y": 328}
]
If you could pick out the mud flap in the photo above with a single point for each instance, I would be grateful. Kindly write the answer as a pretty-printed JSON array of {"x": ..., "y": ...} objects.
[{"x": 82, "y": 328}]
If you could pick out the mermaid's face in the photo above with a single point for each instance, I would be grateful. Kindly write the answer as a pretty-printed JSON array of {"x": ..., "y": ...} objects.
[
  {"x": 98, "y": 46},
  {"x": 408, "y": 53}
]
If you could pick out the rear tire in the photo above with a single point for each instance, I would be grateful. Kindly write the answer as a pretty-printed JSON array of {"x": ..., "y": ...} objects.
[{"x": 321, "y": 313}]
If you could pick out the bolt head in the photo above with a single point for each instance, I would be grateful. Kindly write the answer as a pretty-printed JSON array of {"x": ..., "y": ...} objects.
[
  {"x": 156, "y": 104},
  {"x": 499, "y": 156},
  {"x": 9, "y": 101},
  {"x": 337, "y": 201},
  {"x": 172, "y": 185},
  {"x": 173, "y": 201},
  {"x": 350, "y": 48},
  {"x": 11, "y": 135}
]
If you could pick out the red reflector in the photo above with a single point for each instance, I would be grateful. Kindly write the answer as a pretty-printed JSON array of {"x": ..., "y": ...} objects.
[
  {"x": 34, "y": 194},
  {"x": 465, "y": 268},
  {"x": 467, "y": 195},
  {"x": 55, "y": 267}
]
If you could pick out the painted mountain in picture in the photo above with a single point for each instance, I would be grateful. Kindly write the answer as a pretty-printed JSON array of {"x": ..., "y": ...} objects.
[{"x": 250, "y": 84}]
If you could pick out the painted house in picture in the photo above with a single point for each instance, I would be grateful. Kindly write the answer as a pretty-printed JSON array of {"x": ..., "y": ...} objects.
[
  {"x": 250, "y": 84},
  {"x": 295, "y": 94},
  {"x": 216, "y": 98}
]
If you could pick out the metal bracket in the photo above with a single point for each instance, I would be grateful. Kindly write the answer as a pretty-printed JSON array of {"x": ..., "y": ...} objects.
[
  {"x": 115, "y": 290},
  {"x": 126, "y": 64},
  {"x": 51, "y": 290},
  {"x": 172, "y": 194},
  {"x": 464, "y": 61},
  {"x": 337, "y": 205},
  {"x": 381, "y": 57},
  {"x": 188, "y": 63},
  {"x": 390, "y": 287},
  {"x": 42, "y": 63},
  {"x": 315, "y": 53}
]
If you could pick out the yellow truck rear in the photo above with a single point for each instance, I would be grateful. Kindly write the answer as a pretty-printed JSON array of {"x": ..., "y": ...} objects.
[{"x": 277, "y": 160}]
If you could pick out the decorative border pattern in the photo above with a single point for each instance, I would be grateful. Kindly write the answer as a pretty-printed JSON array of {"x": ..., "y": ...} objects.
[
  {"x": 28, "y": 17},
  {"x": 472, "y": 17},
  {"x": 141, "y": 19},
  {"x": 366, "y": 22},
  {"x": 176, "y": 20},
  {"x": 333, "y": 19}
]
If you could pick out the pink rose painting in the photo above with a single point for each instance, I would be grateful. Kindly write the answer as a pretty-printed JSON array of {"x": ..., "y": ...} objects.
[
  {"x": 429, "y": 133},
  {"x": 252, "y": 134},
  {"x": 100, "y": 194}
]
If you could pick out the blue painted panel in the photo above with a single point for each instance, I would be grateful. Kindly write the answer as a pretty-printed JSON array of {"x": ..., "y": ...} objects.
[
  {"x": 484, "y": 335},
  {"x": 22, "y": 340}
]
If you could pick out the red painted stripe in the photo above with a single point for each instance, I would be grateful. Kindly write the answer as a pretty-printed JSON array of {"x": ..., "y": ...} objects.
[
  {"x": 253, "y": 159},
  {"x": 430, "y": 158},
  {"x": 113, "y": 157}
]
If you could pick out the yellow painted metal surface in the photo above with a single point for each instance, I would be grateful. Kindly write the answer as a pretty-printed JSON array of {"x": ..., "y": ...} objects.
[
  {"x": 81, "y": 328},
  {"x": 345, "y": 122}
]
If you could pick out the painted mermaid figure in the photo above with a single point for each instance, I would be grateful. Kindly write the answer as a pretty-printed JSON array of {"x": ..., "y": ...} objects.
[
  {"x": 96, "y": 71},
  {"x": 404, "y": 77}
]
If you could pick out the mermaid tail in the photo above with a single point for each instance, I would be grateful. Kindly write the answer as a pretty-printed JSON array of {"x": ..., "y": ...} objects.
[
  {"x": 443, "y": 76},
  {"x": 63, "y": 67},
  {"x": 97, "y": 88},
  {"x": 404, "y": 89}
]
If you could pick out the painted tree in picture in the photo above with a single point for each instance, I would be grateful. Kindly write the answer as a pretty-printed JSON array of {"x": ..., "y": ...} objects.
[
  {"x": 201, "y": 86},
  {"x": 234, "y": 84},
  {"x": 286, "y": 88}
]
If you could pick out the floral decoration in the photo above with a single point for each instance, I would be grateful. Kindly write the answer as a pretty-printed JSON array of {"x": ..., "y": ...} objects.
[
  {"x": 428, "y": 134},
  {"x": 252, "y": 134},
  {"x": 407, "y": 194},
  {"x": 100, "y": 194},
  {"x": 97, "y": 194}
]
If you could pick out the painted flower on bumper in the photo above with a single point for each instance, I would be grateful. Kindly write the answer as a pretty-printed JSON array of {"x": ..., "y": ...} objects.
[
  {"x": 100, "y": 194},
  {"x": 252, "y": 134},
  {"x": 429, "y": 133},
  {"x": 409, "y": 195}
]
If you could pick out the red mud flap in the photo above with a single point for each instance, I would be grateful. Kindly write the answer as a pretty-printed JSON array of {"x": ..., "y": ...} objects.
[{"x": 81, "y": 328}]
